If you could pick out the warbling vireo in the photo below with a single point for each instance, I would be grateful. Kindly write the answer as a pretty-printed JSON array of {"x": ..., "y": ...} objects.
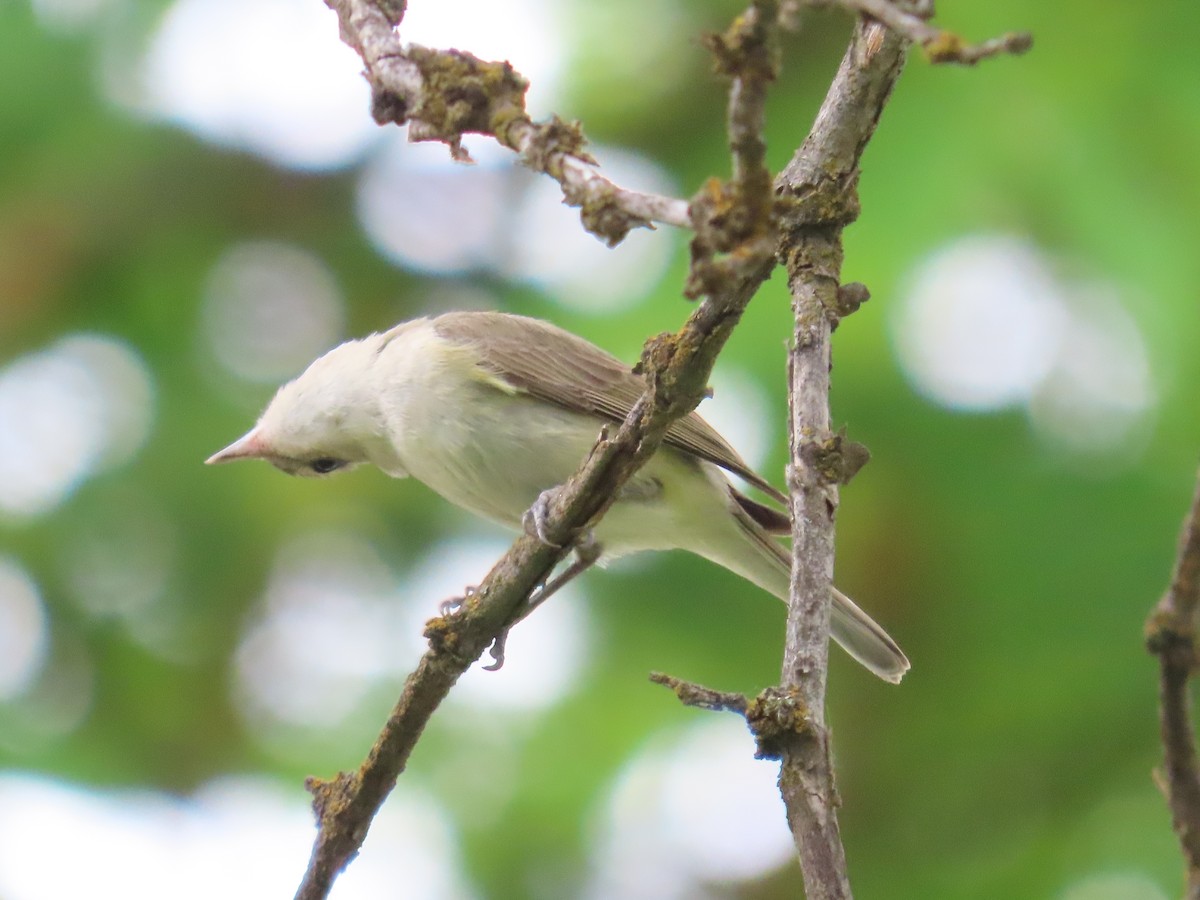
[{"x": 492, "y": 410}]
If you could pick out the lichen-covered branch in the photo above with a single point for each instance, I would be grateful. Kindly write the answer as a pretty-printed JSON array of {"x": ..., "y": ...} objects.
[
  {"x": 739, "y": 215},
  {"x": 444, "y": 94},
  {"x": 701, "y": 697},
  {"x": 1171, "y": 635}
]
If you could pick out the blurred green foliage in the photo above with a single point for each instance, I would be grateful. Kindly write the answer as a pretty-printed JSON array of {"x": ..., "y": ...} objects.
[{"x": 1014, "y": 760}]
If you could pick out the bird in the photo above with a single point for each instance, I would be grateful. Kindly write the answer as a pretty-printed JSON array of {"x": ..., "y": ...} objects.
[{"x": 493, "y": 410}]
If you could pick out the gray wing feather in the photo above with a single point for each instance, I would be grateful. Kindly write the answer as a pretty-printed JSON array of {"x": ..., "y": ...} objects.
[
  {"x": 546, "y": 362},
  {"x": 859, "y": 635}
]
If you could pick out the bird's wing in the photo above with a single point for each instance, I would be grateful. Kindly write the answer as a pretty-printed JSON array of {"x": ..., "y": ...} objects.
[{"x": 544, "y": 361}]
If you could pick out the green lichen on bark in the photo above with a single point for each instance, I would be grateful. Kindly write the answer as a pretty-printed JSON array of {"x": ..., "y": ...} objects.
[
  {"x": 836, "y": 458},
  {"x": 738, "y": 51},
  {"x": 465, "y": 94},
  {"x": 777, "y": 717},
  {"x": 550, "y": 141},
  {"x": 603, "y": 215}
]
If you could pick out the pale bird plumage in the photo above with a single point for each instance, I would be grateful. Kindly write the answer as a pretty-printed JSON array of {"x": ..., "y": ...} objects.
[{"x": 489, "y": 410}]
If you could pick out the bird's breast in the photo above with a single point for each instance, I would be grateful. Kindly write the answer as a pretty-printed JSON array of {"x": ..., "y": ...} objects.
[{"x": 488, "y": 451}]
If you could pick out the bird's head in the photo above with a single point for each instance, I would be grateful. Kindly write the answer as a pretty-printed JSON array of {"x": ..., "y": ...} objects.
[{"x": 321, "y": 422}]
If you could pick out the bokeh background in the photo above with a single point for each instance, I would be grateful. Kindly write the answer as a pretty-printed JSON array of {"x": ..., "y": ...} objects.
[{"x": 194, "y": 203}]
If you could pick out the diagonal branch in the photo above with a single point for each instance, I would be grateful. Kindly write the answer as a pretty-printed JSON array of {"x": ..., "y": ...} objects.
[
  {"x": 444, "y": 94},
  {"x": 1171, "y": 635}
]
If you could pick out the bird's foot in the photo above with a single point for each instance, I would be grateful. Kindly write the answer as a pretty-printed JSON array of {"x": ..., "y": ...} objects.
[
  {"x": 587, "y": 551},
  {"x": 536, "y": 520},
  {"x": 451, "y": 605},
  {"x": 497, "y": 652},
  {"x": 536, "y": 523}
]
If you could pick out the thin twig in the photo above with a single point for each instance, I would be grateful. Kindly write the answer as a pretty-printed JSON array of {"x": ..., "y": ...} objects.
[
  {"x": 1171, "y": 635},
  {"x": 940, "y": 46},
  {"x": 775, "y": 717},
  {"x": 818, "y": 198},
  {"x": 701, "y": 697},
  {"x": 445, "y": 94}
]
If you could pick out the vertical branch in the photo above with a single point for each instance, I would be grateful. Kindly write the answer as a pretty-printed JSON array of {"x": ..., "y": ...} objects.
[
  {"x": 814, "y": 496},
  {"x": 817, "y": 193},
  {"x": 806, "y": 776},
  {"x": 1171, "y": 635}
]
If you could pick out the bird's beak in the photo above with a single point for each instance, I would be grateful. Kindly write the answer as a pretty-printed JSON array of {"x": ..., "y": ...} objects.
[{"x": 248, "y": 446}]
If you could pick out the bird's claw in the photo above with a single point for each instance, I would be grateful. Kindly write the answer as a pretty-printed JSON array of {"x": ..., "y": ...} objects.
[
  {"x": 536, "y": 522},
  {"x": 451, "y": 605},
  {"x": 587, "y": 551},
  {"x": 587, "y": 548},
  {"x": 536, "y": 519},
  {"x": 497, "y": 652}
]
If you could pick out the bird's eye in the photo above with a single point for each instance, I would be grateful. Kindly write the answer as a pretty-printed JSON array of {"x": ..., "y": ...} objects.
[{"x": 323, "y": 465}]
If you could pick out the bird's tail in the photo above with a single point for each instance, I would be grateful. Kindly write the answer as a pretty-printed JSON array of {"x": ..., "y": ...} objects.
[{"x": 765, "y": 561}]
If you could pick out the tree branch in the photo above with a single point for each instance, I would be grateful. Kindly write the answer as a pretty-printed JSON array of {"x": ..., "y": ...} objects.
[
  {"x": 732, "y": 255},
  {"x": 444, "y": 94},
  {"x": 1171, "y": 635},
  {"x": 818, "y": 198},
  {"x": 701, "y": 697}
]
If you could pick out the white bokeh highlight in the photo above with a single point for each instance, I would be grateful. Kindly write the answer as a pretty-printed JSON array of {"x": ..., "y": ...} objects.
[
  {"x": 1114, "y": 886},
  {"x": 24, "y": 629},
  {"x": 988, "y": 323},
  {"x": 335, "y": 622},
  {"x": 82, "y": 405},
  {"x": 551, "y": 250},
  {"x": 274, "y": 78},
  {"x": 269, "y": 308},
  {"x": 546, "y": 655},
  {"x": 690, "y": 810},
  {"x": 234, "y": 838},
  {"x": 1100, "y": 394},
  {"x": 740, "y": 410},
  {"x": 55, "y": 703},
  {"x": 117, "y": 561},
  {"x": 267, "y": 76},
  {"x": 329, "y": 628},
  {"x": 423, "y": 211},
  {"x": 122, "y": 571},
  {"x": 980, "y": 326},
  {"x": 71, "y": 16}
]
